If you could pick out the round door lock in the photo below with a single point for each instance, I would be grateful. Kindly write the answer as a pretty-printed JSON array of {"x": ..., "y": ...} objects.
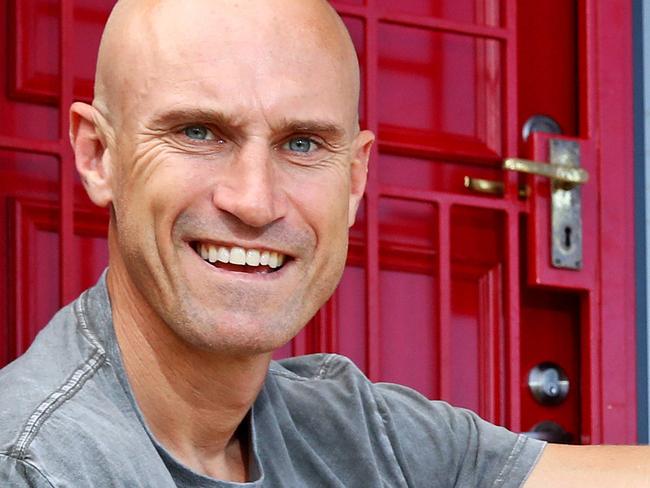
[
  {"x": 540, "y": 123},
  {"x": 548, "y": 383},
  {"x": 550, "y": 431}
]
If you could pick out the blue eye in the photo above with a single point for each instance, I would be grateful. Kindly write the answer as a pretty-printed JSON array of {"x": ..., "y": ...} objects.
[
  {"x": 198, "y": 133},
  {"x": 301, "y": 145}
]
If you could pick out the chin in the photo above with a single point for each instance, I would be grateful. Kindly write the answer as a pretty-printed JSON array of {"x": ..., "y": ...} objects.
[{"x": 234, "y": 334}]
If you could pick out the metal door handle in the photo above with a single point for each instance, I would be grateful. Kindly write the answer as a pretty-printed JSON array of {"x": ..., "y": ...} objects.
[
  {"x": 548, "y": 383},
  {"x": 564, "y": 176},
  {"x": 567, "y": 176}
]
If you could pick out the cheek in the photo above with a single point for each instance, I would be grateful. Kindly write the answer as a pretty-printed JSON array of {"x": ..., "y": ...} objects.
[
  {"x": 324, "y": 202},
  {"x": 149, "y": 202},
  {"x": 171, "y": 191}
]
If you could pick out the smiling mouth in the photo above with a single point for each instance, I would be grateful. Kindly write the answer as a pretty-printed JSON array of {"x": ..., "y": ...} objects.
[{"x": 240, "y": 259}]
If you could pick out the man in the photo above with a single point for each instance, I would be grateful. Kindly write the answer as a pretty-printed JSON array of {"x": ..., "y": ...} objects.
[{"x": 224, "y": 139}]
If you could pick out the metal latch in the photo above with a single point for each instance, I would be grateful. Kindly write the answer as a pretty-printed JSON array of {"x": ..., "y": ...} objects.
[
  {"x": 566, "y": 176},
  {"x": 566, "y": 217}
]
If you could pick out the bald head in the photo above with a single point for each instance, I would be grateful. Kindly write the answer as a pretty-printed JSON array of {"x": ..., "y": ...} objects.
[{"x": 149, "y": 41}]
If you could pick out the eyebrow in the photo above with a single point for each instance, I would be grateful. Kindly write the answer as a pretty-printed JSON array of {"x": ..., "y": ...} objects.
[
  {"x": 322, "y": 128},
  {"x": 229, "y": 123},
  {"x": 181, "y": 116}
]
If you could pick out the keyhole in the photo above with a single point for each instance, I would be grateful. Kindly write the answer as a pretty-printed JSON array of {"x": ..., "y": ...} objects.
[{"x": 567, "y": 237}]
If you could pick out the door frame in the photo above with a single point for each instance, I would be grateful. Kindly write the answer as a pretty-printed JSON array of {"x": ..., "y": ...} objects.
[{"x": 607, "y": 102}]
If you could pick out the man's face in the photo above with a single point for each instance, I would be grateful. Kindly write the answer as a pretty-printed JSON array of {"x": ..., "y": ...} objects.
[{"x": 236, "y": 171}]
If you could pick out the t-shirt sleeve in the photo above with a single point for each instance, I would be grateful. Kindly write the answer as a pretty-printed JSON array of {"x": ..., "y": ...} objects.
[
  {"x": 20, "y": 474},
  {"x": 439, "y": 445}
]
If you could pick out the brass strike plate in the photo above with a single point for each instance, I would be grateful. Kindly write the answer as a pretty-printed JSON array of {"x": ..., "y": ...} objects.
[{"x": 566, "y": 214}]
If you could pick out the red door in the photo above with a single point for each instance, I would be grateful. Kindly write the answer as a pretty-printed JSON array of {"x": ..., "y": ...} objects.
[{"x": 448, "y": 289}]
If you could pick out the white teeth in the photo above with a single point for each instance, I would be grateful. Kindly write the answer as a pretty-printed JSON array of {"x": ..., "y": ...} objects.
[
  {"x": 252, "y": 257},
  {"x": 238, "y": 255},
  {"x": 212, "y": 257},
  {"x": 224, "y": 255}
]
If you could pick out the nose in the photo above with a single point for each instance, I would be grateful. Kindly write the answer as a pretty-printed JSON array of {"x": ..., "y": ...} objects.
[{"x": 248, "y": 188}]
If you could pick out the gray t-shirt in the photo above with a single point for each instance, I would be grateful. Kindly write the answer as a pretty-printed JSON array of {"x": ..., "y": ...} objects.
[{"x": 68, "y": 419}]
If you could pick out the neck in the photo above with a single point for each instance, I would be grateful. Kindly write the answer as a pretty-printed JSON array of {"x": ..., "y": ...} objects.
[{"x": 193, "y": 400}]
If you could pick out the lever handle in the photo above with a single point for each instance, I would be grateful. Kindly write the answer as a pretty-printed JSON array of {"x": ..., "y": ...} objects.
[{"x": 569, "y": 175}]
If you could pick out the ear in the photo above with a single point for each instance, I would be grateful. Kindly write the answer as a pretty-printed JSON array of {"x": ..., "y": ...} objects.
[
  {"x": 359, "y": 171},
  {"x": 91, "y": 157}
]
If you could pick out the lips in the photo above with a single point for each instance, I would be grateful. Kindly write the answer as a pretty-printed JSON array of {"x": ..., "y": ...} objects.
[{"x": 240, "y": 259}]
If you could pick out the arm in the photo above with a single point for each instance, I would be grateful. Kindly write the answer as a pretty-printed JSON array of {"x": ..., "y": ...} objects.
[{"x": 563, "y": 466}]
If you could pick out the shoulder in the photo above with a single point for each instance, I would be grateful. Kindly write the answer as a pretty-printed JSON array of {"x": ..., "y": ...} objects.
[
  {"x": 431, "y": 441},
  {"x": 325, "y": 386},
  {"x": 48, "y": 373},
  {"x": 325, "y": 378},
  {"x": 332, "y": 387},
  {"x": 65, "y": 392},
  {"x": 316, "y": 367},
  {"x": 338, "y": 377}
]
